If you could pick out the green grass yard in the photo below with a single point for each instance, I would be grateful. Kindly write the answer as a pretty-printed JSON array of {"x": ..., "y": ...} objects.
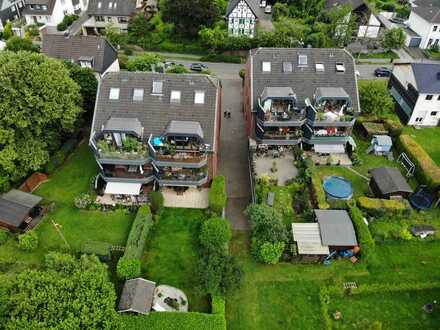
[
  {"x": 428, "y": 138},
  {"x": 172, "y": 254}
]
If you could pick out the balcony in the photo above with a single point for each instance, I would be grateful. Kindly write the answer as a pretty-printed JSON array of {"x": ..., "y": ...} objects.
[
  {"x": 128, "y": 173},
  {"x": 182, "y": 177},
  {"x": 130, "y": 150},
  {"x": 330, "y": 132}
]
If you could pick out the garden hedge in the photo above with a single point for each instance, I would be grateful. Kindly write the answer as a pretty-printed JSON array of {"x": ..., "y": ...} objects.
[
  {"x": 366, "y": 241},
  {"x": 218, "y": 305},
  {"x": 100, "y": 249},
  {"x": 380, "y": 207},
  {"x": 217, "y": 195},
  {"x": 319, "y": 192},
  {"x": 221, "y": 58},
  {"x": 138, "y": 233},
  {"x": 157, "y": 201},
  {"x": 426, "y": 170}
]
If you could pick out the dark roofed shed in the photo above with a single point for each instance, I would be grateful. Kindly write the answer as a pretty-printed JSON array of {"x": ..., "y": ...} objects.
[{"x": 388, "y": 182}]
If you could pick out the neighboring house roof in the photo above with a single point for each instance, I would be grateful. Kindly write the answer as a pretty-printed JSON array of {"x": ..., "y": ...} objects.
[
  {"x": 15, "y": 206},
  {"x": 427, "y": 77},
  {"x": 389, "y": 180},
  {"x": 111, "y": 7},
  {"x": 308, "y": 238},
  {"x": 137, "y": 296},
  {"x": 156, "y": 111},
  {"x": 49, "y": 3},
  {"x": 336, "y": 228},
  {"x": 254, "y": 5},
  {"x": 429, "y": 13},
  {"x": 80, "y": 47},
  {"x": 303, "y": 79},
  {"x": 338, "y": 3}
]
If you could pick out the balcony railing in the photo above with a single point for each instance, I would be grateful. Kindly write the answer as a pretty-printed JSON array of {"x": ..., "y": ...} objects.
[
  {"x": 134, "y": 150},
  {"x": 128, "y": 175},
  {"x": 181, "y": 157},
  {"x": 179, "y": 180},
  {"x": 282, "y": 136}
]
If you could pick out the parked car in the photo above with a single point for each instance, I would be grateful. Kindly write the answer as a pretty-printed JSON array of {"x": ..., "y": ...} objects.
[
  {"x": 198, "y": 67},
  {"x": 382, "y": 72},
  {"x": 268, "y": 9}
]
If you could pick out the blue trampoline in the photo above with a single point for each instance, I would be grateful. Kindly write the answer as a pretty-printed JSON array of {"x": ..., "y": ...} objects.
[
  {"x": 422, "y": 199},
  {"x": 338, "y": 188}
]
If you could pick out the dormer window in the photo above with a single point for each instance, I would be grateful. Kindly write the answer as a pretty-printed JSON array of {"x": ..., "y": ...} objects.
[
  {"x": 340, "y": 67},
  {"x": 99, "y": 4},
  {"x": 115, "y": 5},
  {"x": 175, "y": 96},
  {"x": 138, "y": 94},
  {"x": 266, "y": 66},
  {"x": 287, "y": 67},
  {"x": 86, "y": 61},
  {"x": 319, "y": 67},
  {"x": 199, "y": 97},
  {"x": 114, "y": 94},
  {"x": 302, "y": 60},
  {"x": 157, "y": 88},
  {"x": 110, "y": 5}
]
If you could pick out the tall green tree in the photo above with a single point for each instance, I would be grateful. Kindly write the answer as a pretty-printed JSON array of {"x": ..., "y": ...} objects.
[
  {"x": 16, "y": 44},
  {"x": 375, "y": 98},
  {"x": 7, "y": 31},
  {"x": 393, "y": 39},
  {"x": 144, "y": 62},
  {"x": 340, "y": 25},
  {"x": 39, "y": 102},
  {"x": 189, "y": 15}
]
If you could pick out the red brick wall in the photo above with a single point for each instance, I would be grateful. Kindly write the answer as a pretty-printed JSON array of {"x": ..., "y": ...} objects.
[
  {"x": 213, "y": 159},
  {"x": 247, "y": 101}
]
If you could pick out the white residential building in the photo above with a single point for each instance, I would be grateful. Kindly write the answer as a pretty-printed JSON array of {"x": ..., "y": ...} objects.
[
  {"x": 51, "y": 12},
  {"x": 416, "y": 89},
  {"x": 9, "y": 11},
  {"x": 424, "y": 20},
  {"x": 244, "y": 15}
]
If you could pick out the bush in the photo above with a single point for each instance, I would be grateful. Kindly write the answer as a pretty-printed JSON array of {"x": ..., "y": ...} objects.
[
  {"x": 83, "y": 201},
  {"x": 380, "y": 207},
  {"x": 270, "y": 253},
  {"x": 138, "y": 233},
  {"x": 59, "y": 157},
  {"x": 394, "y": 127},
  {"x": 178, "y": 69},
  {"x": 60, "y": 262},
  {"x": 215, "y": 235},
  {"x": 67, "y": 22},
  {"x": 221, "y": 58},
  {"x": 218, "y": 305},
  {"x": 319, "y": 192},
  {"x": 3, "y": 237},
  {"x": 144, "y": 62},
  {"x": 100, "y": 249},
  {"x": 128, "y": 268},
  {"x": 366, "y": 241},
  {"x": 28, "y": 242},
  {"x": 16, "y": 44},
  {"x": 426, "y": 170},
  {"x": 217, "y": 195},
  {"x": 156, "y": 200}
]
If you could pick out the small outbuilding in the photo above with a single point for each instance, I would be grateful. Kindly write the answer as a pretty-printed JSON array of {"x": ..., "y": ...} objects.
[
  {"x": 422, "y": 230},
  {"x": 308, "y": 239},
  {"x": 137, "y": 296},
  {"x": 18, "y": 210},
  {"x": 388, "y": 182},
  {"x": 336, "y": 229},
  {"x": 381, "y": 144}
]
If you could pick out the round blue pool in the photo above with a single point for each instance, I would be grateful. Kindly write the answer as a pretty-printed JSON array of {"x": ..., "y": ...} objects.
[{"x": 338, "y": 188}]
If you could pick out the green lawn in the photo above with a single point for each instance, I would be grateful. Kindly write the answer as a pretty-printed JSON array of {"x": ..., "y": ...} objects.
[
  {"x": 428, "y": 138},
  {"x": 77, "y": 226},
  {"x": 172, "y": 254},
  {"x": 387, "y": 54}
]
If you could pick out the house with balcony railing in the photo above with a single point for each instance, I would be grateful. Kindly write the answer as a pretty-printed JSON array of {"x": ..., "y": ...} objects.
[{"x": 152, "y": 130}]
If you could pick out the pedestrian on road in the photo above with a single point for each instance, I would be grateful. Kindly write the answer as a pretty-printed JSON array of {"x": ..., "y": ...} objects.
[{"x": 225, "y": 114}]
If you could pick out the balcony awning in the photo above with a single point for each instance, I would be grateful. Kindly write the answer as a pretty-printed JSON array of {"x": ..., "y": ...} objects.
[
  {"x": 184, "y": 128},
  {"x": 278, "y": 93},
  {"x": 115, "y": 124},
  {"x": 332, "y": 93},
  {"x": 329, "y": 148},
  {"x": 123, "y": 188}
]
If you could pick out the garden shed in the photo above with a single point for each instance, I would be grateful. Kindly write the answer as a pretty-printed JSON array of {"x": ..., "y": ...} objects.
[
  {"x": 137, "y": 296},
  {"x": 336, "y": 229},
  {"x": 308, "y": 239},
  {"x": 381, "y": 144},
  {"x": 388, "y": 182}
]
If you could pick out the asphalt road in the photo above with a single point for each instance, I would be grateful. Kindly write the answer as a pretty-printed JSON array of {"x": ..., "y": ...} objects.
[{"x": 230, "y": 71}]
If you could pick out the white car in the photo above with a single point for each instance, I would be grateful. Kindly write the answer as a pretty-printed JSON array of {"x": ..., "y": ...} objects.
[{"x": 268, "y": 9}]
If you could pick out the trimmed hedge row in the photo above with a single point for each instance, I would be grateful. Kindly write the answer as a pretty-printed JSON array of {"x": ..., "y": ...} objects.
[
  {"x": 380, "y": 207},
  {"x": 319, "y": 192},
  {"x": 221, "y": 58},
  {"x": 427, "y": 170},
  {"x": 366, "y": 241},
  {"x": 217, "y": 195},
  {"x": 171, "y": 321},
  {"x": 218, "y": 305}
]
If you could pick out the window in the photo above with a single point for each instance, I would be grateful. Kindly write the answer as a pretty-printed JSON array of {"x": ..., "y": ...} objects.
[
  {"x": 438, "y": 98},
  {"x": 434, "y": 113},
  {"x": 63, "y": 2},
  {"x": 109, "y": 18},
  {"x": 434, "y": 28},
  {"x": 287, "y": 67},
  {"x": 13, "y": 8},
  {"x": 175, "y": 96},
  {"x": 428, "y": 97},
  {"x": 157, "y": 87},
  {"x": 302, "y": 60},
  {"x": 110, "y": 5},
  {"x": 99, "y": 4},
  {"x": 340, "y": 67},
  {"x": 266, "y": 66},
  {"x": 419, "y": 119},
  {"x": 138, "y": 94},
  {"x": 319, "y": 67},
  {"x": 430, "y": 42},
  {"x": 99, "y": 18},
  {"x": 85, "y": 64},
  {"x": 115, "y": 5},
  {"x": 114, "y": 94},
  {"x": 199, "y": 97},
  {"x": 122, "y": 20}
]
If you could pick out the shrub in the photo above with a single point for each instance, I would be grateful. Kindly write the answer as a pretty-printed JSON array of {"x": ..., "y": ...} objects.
[
  {"x": 380, "y": 207},
  {"x": 83, "y": 201},
  {"x": 60, "y": 262},
  {"x": 178, "y": 69},
  {"x": 218, "y": 305},
  {"x": 28, "y": 242},
  {"x": 144, "y": 62},
  {"x": 217, "y": 195},
  {"x": 16, "y": 44},
  {"x": 60, "y": 156},
  {"x": 215, "y": 234},
  {"x": 128, "y": 268},
  {"x": 3, "y": 237},
  {"x": 319, "y": 192},
  {"x": 270, "y": 253},
  {"x": 67, "y": 22},
  {"x": 157, "y": 200},
  {"x": 100, "y": 249},
  {"x": 138, "y": 233},
  {"x": 426, "y": 170},
  {"x": 366, "y": 241},
  {"x": 394, "y": 127},
  {"x": 267, "y": 223}
]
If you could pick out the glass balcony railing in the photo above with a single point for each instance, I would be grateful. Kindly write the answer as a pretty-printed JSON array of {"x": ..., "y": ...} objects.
[{"x": 131, "y": 149}]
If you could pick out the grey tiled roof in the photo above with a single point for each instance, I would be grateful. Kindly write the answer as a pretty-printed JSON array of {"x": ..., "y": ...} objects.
[
  {"x": 428, "y": 12},
  {"x": 390, "y": 180},
  {"x": 304, "y": 80},
  {"x": 101, "y": 7},
  {"x": 426, "y": 75},
  {"x": 49, "y": 3},
  {"x": 156, "y": 111},
  {"x": 74, "y": 47},
  {"x": 137, "y": 296},
  {"x": 184, "y": 127}
]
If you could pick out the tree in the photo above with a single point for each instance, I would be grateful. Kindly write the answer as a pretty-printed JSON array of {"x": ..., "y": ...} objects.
[
  {"x": 87, "y": 82},
  {"x": 214, "y": 38},
  {"x": 15, "y": 44},
  {"x": 144, "y": 62},
  {"x": 340, "y": 25},
  {"x": 67, "y": 294},
  {"x": 178, "y": 69},
  {"x": 39, "y": 103},
  {"x": 7, "y": 31},
  {"x": 280, "y": 11},
  {"x": 270, "y": 253},
  {"x": 290, "y": 32},
  {"x": 393, "y": 39},
  {"x": 128, "y": 268},
  {"x": 374, "y": 98},
  {"x": 189, "y": 15},
  {"x": 114, "y": 36},
  {"x": 215, "y": 234},
  {"x": 139, "y": 26}
]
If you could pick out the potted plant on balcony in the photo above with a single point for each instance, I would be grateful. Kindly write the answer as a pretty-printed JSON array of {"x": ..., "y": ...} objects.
[{"x": 130, "y": 144}]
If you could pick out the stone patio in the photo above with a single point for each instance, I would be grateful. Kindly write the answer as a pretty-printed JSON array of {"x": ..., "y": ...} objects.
[
  {"x": 285, "y": 169},
  {"x": 193, "y": 198},
  {"x": 335, "y": 159}
]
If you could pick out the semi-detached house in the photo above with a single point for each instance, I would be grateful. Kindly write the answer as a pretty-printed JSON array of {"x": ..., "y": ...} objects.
[{"x": 153, "y": 130}]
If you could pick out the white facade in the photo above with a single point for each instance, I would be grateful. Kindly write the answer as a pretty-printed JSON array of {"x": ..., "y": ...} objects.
[
  {"x": 371, "y": 30},
  {"x": 61, "y": 8},
  {"x": 242, "y": 21},
  {"x": 426, "y": 111},
  {"x": 99, "y": 23},
  {"x": 429, "y": 32}
]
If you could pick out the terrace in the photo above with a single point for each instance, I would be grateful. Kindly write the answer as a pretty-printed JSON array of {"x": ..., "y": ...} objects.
[
  {"x": 142, "y": 173},
  {"x": 182, "y": 176}
]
